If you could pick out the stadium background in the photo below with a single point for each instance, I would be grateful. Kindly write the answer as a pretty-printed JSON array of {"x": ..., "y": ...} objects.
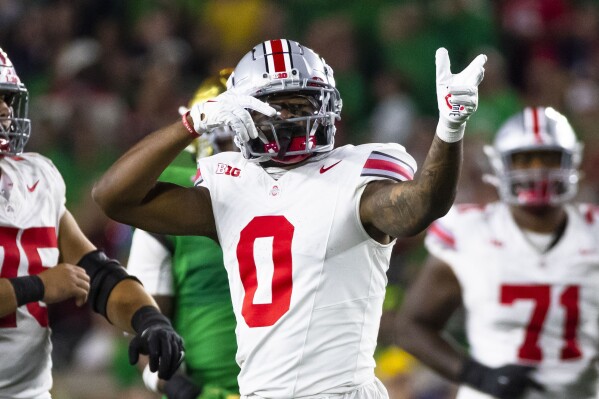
[{"x": 104, "y": 73}]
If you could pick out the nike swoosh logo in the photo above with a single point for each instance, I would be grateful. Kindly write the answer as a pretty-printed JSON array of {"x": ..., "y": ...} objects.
[
  {"x": 32, "y": 188},
  {"x": 323, "y": 169}
]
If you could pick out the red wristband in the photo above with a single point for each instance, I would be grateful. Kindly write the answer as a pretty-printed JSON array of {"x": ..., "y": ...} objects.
[{"x": 189, "y": 128}]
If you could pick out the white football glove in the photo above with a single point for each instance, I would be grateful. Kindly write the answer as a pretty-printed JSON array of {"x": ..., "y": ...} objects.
[
  {"x": 457, "y": 95},
  {"x": 229, "y": 109}
]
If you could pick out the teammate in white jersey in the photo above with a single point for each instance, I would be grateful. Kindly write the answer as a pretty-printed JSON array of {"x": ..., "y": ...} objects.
[
  {"x": 526, "y": 269},
  {"x": 45, "y": 258},
  {"x": 306, "y": 230}
]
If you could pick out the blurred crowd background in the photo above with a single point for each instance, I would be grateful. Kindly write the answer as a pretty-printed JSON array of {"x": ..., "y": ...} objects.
[{"x": 104, "y": 73}]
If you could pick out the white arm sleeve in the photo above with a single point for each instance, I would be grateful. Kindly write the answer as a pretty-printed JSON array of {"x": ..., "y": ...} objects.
[{"x": 150, "y": 262}]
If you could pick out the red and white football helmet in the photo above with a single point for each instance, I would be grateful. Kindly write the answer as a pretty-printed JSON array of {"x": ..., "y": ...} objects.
[
  {"x": 15, "y": 128},
  {"x": 535, "y": 129},
  {"x": 282, "y": 68}
]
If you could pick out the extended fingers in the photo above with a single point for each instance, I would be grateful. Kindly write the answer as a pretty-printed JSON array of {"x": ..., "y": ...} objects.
[
  {"x": 165, "y": 352},
  {"x": 166, "y": 357},
  {"x": 239, "y": 128},
  {"x": 244, "y": 124},
  {"x": 134, "y": 350},
  {"x": 443, "y": 66},
  {"x": 256, "y": 105},
  {"x": 241, "y": 104},
  {"x": 475, "y": 72},
  {"x": 171, "y": 356},
  {"x": 154, "y": 345},
  {"x": 230, "y": 109}
]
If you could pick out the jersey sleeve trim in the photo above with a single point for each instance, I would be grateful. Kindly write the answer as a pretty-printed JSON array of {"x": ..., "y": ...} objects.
[
  {"x": 446, "y": 237},
  {"x": 383, "y": 165},
  {"x": 198, "y": 179}
]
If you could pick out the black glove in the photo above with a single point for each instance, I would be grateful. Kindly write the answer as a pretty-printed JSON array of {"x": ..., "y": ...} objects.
[
  {"x": 157, "y": 339},
  {"x": 181, "y": 387},
  {"x": 506, "y": 382}
]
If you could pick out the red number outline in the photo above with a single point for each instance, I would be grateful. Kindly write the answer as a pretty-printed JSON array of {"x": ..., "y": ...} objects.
[
  {"x": 541, "y": 296},
  {"x": 278, "y": 227},
  {"x": 31, "y": 240}
]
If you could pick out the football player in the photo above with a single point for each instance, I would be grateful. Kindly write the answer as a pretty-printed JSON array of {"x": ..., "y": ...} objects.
[
  {"x": 526, "y": 269},
  {"x": 186, "y": 276},
  {"x": 45, "y": 259},
  {"x": 306, "y": 229}
]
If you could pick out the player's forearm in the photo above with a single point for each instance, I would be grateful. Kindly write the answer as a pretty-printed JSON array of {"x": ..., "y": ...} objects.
[
  {"x": 439, "y": 177},
  {"x": 405, "y": 209},
  {"x": 125, "y": 299},
  {"x": 129, "y": 180},
  {"x": 431, "y": 348},
  {"x": 8, "y": 300}
]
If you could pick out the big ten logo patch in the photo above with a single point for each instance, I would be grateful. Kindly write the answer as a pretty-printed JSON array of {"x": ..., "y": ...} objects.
[{"x": 224, "y": 169}]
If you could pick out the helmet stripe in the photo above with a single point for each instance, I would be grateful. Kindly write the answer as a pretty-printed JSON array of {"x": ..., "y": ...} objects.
[
  {"x": 278, "y": 59},
  {"x": 3, "y": 58}
]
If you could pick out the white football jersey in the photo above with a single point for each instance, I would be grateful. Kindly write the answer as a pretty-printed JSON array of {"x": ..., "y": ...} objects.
[
  {"x": 307, "y": 281},
  {"x": 523, "y": 305},
  {"x": 151, "y": 262},
  {"x": 29, "y": 221}
]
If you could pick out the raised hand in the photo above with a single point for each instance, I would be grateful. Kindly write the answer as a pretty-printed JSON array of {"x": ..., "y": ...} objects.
[
  {"x": 457, "y": 95},
  {"x": 229, "y": 109},
  {"x": 65, "y": 281}
]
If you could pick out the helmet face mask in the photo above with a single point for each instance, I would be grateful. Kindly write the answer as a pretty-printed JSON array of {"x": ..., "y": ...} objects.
[
  {"x": 549, "y": 181},
  {"x": 300, "y": 85},
  {"x": 299, "y": 127},
  {"x": 536, "y": 158},
  {"x": 15, "y": 127}
]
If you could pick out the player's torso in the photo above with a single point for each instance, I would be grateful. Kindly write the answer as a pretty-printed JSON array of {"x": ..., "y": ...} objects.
[
  {"x": 307, "y": 281},
  {"x": 34, "y": 193},
  {"x": 29, "y": 220},
  {"x": 529, "y": 307},
  {"x": 199, "y": 276},
  {"x": 204, "y": 315}
]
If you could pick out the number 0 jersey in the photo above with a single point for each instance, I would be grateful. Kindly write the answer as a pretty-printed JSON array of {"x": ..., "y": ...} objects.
[
  {"x": 307, "y": 281},
  {"x": 29, "y": 220},
  {"x": 524, "y": 306}
]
